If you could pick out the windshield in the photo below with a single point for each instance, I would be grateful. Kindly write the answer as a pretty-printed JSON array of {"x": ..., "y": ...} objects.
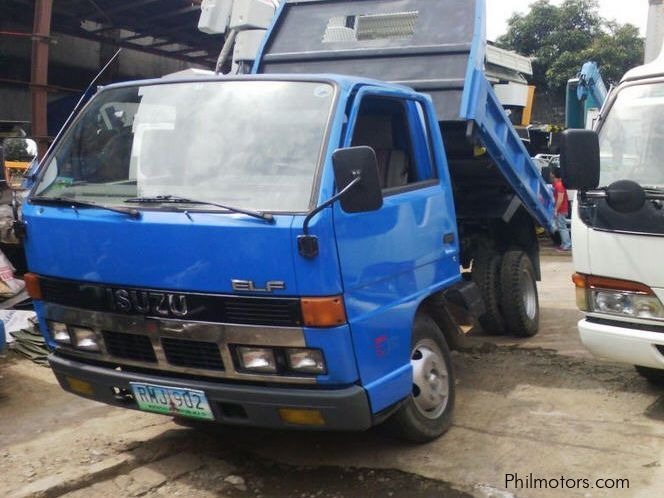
[
  {"x": 632, "y": 137},
  {"x": 249, "y": 144}
]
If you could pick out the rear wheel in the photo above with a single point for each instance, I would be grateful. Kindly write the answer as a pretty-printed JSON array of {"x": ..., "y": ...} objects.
[
  {"x": 653, "y": 375},
  {"x": 427, "y": 413},
  {"x": 519, "y": 299},
  {"x": 486, "y": 274}
]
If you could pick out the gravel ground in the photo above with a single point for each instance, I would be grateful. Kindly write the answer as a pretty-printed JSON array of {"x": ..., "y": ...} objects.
[{"x": 539, "y": 406}]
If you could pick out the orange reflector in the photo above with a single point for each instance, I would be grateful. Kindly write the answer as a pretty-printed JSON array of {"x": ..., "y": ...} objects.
[
  {"x": 616, "y": 284},
  {"x": 80, "y": 386},
  {"x": 301, "y": 417},
  {"x": 32, "y": 285},
  {"x": 579, "y": 281},
  {"x": 323, "y": 311}
]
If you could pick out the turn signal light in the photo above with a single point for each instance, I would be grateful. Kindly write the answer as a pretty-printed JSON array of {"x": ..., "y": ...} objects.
[
  {"x": 581, "y": 284},
  {"x": 323, "y": 311},
  {"x": 32, "y": 285},
  {"x": 80, "y": 386},
  {"x": 297, "y": 416},
  {"x": 592, "y": 282},
  {"x": 579, "y": 281}
]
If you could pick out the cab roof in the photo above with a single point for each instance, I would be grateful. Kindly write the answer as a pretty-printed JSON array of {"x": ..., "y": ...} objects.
[{"x": 346, "y": 83}]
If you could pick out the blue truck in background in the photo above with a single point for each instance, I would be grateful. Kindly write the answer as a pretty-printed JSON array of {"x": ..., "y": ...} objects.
[{"x": 301, "y": 247}]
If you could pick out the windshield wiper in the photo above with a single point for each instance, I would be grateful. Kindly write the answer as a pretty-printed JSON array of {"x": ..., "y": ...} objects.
[
  {"x": 74, "y": 203},
  {"x": 172, "y": 199}
]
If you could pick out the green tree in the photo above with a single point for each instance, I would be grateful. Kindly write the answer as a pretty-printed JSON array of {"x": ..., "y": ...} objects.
[
  {"x": 16, "y": 149},
  {"x": 561, "y": 38}
]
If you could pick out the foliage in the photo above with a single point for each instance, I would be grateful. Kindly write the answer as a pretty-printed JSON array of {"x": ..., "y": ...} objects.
[
  {"x": 562, "y": 38},
  {"x": 17, "y": 149}
]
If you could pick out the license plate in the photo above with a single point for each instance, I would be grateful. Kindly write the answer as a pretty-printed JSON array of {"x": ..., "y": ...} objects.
[{"x": 172, "y": 401}]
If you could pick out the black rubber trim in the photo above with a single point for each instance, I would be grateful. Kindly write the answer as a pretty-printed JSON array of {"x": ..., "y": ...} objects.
[
  {"x": 597, "y": 214},
  {"x": 626, "y": 325},
  {"x": 344, "y": 409}
]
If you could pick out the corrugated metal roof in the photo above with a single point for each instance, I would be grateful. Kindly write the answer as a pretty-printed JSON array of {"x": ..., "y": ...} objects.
[{"x": 161, "y": 27}]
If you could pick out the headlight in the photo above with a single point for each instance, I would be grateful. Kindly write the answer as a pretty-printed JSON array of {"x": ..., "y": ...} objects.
[
  {"x": 59, "y": 332},
  {"x": 627, "y": 304},
  {"x": 257, "y": 359},
  {"x": 617, "y": 297},
  {"x": 85, "y": 339},
  {"x": 309, "y": 361}
]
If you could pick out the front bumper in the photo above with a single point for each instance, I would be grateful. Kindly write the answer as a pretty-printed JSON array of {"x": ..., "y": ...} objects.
[
  {"x": 344, "y": 409},
  {"x": 623, "y": 344}
]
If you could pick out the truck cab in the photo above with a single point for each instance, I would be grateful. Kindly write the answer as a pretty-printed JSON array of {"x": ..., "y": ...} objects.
[
  {"x": 617, "y": 227},
  {"x": 285, "y": 249}
]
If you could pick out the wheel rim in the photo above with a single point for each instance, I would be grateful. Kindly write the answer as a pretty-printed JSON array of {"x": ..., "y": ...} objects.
[
  {"x": 529, "y": 294},
  {"x": 431, "y": 388}
]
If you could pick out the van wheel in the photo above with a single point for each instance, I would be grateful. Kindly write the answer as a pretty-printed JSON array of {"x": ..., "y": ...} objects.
[
  {"x": 427, "y": 413},
  {"x": 519, "y": 299},
  {"x": 486, "y": 274},
  {"x": 653, "y": 375}
]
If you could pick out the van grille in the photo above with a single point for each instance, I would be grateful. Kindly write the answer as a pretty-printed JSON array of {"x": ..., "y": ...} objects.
[
  {"x": 129, "y": 346},
  {"x": 192, "y": 354},
  {"x": 214, "y": 308}
]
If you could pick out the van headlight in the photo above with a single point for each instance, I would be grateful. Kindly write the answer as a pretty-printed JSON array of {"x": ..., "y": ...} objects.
[
  {"x": 627, "y": 304},
  {"x": 617, "y": 297},
  {"x": 59, "y": 332},
  {"x": 309, "y": 361},
  {"x": 257, "y": 359},
  {"x": 85, "y": 339}
]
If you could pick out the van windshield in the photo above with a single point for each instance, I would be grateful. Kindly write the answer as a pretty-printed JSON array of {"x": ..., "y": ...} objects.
[
  {"x": 249, "y": 144},
  {"x": 632, "y": 137}
]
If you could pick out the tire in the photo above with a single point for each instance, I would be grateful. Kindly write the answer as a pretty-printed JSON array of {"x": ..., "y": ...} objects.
[
  {"x": 486, "y": 274},
  {"x": 421, "y": 419},
  {"x": 653, "y": 375},
  {"x": 519, "y": 299}
]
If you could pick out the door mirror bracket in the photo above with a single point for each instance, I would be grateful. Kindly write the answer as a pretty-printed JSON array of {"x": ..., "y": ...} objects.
[{"x": 356, "y": 177}]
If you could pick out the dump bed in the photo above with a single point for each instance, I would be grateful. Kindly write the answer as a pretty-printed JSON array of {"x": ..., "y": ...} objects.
[{"x": 434, "y": 46}]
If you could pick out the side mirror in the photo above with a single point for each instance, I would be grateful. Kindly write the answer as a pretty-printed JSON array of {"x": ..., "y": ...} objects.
[
  {"x": 579, "y": 159},
  {"x": 17, "y": 155},
  {"x": 349, "y": 164}
]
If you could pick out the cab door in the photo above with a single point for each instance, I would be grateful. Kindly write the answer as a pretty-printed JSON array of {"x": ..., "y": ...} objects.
[{"x": 392, "y": 258}]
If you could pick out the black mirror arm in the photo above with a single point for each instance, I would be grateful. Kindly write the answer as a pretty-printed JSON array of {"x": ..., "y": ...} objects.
[
  {"x": 329, "y": 202},
  {"x": 602, "y": 194},
  {"x": 594, "y": 194}
]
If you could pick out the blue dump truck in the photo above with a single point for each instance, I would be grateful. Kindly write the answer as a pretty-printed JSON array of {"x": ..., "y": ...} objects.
[{"x": 292, "y": 248}]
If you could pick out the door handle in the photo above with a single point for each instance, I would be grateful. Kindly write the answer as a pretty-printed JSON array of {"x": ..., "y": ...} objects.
[{"x": 448, "y": 238}]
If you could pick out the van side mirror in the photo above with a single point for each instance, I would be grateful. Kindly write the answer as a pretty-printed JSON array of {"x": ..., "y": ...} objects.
[
  {"x": 349, "y": 165},
  {"x": 17, "y": 156},
  {"x": 579, "y": 159}
]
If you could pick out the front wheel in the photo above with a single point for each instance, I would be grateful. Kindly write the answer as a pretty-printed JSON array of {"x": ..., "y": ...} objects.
[
  {"x": 427, "y": 413},
  {"x": 653, "y": 375}
]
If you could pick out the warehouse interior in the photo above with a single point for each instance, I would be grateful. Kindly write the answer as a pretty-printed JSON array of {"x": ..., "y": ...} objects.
[{"x": 50, "y": 50}]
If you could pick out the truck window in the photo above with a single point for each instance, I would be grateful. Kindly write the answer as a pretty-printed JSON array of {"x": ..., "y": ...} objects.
[
  {"x": 631, "y": 138},
  {"x": 249, "y": 144},
  {"x": 383, "y": 125}
]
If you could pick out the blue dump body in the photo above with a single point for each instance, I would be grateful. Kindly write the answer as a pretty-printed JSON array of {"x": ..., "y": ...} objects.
[{"x": 156, "y": 305}]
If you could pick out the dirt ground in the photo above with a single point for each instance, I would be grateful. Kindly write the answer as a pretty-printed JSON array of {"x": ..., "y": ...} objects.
[{"x": 540, "y": 408}]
